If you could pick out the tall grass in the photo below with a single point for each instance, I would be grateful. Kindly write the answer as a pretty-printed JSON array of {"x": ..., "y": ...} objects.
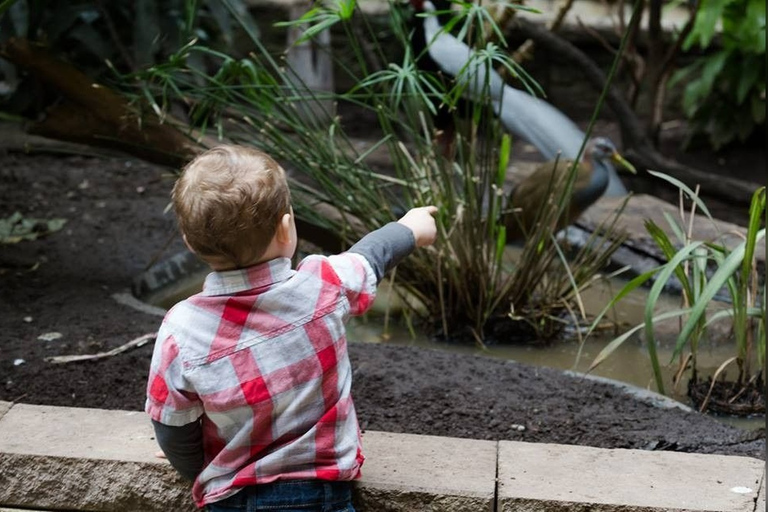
[
  {"x": 691, "y": 262},
  {"x": 466, "y": 279}
]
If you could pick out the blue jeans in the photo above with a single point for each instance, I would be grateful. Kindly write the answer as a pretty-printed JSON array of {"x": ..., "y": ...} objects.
[{"x": 290, "y": 496}]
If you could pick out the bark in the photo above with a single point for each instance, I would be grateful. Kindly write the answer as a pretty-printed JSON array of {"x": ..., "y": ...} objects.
[
  {"x": 92, "y": 114},
  {"x": 661, "y": 57}
]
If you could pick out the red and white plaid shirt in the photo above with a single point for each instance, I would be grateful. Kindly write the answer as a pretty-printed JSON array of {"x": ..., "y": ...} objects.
[{"x": 261, "y": 355}]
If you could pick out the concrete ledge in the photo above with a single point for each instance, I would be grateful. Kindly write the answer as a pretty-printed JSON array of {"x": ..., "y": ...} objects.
[
  {"x": 548, "y": 478},
  {"x": 60, "y": 458},
  {"x": 85, "y": 459},
  {"x": 4, "y": 408},
  {"x": 427, "y": 473}
]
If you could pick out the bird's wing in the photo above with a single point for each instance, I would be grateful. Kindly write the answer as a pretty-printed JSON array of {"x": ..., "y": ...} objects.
[
  {"x": 541, "y": 124},
  {"x": 547, "y": 128}
]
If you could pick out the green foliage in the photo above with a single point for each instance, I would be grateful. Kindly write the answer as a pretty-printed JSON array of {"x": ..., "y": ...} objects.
[
  {"x": 17, "y": 228},
  {"x": 724, "y": 97},
  {"x": 127, "y": 35},
  {"x": 735, "y": 272},
  {"x": 467, "y": 278}
]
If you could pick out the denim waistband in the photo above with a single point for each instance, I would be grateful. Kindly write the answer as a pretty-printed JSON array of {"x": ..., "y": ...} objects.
[{"x": 293, "y": 494}]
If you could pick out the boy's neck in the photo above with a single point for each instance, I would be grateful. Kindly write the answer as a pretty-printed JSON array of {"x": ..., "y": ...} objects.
[{"x": 227, "y": 268}]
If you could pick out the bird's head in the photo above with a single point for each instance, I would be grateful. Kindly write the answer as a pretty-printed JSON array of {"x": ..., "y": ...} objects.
[{"x": 601, "y": 148}]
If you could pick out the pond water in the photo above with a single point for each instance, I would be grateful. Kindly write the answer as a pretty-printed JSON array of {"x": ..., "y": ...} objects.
[{"x": 630, "y": 363}]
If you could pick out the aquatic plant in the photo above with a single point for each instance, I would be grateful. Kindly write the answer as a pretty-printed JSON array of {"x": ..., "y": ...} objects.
[
  {"x": 705, "y": 270},
  {"x": 467, "y": 279}
]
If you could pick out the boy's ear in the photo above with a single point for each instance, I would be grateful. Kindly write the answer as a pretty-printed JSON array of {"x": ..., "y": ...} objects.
[
  {"x": 283, "y": 233},
  {"x": 184, "y": 237}
]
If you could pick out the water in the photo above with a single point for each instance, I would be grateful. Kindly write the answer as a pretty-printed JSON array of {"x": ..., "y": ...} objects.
[{"x": 630, "y": 363}]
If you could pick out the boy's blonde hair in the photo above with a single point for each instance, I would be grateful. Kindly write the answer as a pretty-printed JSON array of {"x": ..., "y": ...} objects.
[{"x": 229, "y": 201}]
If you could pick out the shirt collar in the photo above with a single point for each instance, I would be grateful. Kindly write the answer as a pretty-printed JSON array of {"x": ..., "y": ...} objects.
[{"x": 231, "y": 282}]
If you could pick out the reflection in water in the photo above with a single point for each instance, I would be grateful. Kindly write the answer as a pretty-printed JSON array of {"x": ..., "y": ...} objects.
[{"x": 629, "y": 363}]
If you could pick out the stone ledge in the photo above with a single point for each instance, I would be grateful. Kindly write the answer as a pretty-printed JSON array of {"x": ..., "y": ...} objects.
[
  {"x": 410, "y": 472},
  {"x": 92, "y": 459},
  {"x": 54, "y": 458},
  {"x": 568, "y": 478}
]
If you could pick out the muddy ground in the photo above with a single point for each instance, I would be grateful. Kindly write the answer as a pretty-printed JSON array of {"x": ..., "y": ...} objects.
[{"x": 64, "y": 283}]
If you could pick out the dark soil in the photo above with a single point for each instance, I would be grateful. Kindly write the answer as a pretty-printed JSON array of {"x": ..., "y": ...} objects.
[
  {"x": 728, "y": 396},
  {"x": 116, "y": 227}
]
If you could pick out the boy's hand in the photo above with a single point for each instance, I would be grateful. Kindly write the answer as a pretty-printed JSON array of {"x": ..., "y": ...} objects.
[{"x": 422, "y": 223}]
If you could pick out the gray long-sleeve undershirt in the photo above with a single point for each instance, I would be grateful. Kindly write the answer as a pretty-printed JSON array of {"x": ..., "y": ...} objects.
[{"x": 383, "y": 248}]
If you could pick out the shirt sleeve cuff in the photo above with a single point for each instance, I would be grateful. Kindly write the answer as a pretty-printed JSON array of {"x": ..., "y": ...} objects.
[{"x": 169, "y": 417}]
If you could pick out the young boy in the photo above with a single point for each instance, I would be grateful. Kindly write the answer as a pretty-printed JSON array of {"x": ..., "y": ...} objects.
[{"x": 249, "y": 388}]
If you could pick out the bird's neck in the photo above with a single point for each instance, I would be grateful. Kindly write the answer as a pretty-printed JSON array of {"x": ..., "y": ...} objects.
[
  {"x": 431, "y": 24},
  {"x": 598, "y": 182}
]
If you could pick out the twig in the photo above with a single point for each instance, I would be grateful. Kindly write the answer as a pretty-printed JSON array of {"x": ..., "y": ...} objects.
[
  {"x": 525, "y": 51},
  {"x": 134, "y": 343},
  {"x": 504, "y": 14}
]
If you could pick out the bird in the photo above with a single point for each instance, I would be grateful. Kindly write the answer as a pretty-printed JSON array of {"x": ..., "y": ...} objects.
[
  {"x": 526, "y": 199},
  {"x": 522, "y": 114}
]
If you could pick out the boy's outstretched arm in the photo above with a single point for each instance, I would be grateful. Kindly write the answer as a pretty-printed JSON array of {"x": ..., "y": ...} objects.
[
  {"x": 388, "y": 245},
  {"x": 182, "y": 446},
  {"x": 421, "y": 221}
]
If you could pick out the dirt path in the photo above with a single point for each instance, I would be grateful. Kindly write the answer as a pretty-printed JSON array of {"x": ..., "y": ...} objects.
[{"x": 115, "y": 226}]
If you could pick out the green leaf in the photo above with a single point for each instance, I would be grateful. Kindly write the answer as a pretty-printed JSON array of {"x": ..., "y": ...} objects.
[
  {"x": 685, "y": 188},
  {"x": 616, "y": 343},
  {"x": 705, "y": 24},
  {"x": 626, "y": 290},
  {"x": 718, "y": 280},
  {"x": 669, "y": 251},
  {"x": 653, "y": 297},
  {"x": 16, "y": 228},
  {"x": 756, "y": 211},
  {"x": 751, "y": 71},
  {"x": 675, "y": 227},
  {"x": 506, "y": 146}
]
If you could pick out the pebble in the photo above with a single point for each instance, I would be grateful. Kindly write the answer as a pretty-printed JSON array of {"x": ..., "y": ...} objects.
[
  {"x": 519, "y": 428},
  {"x": 18, "y": 362},
  {"x": 50, "y": 336}
]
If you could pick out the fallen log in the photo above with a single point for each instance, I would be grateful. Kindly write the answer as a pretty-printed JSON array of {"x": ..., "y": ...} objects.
[{"x": 90, "y": 113}]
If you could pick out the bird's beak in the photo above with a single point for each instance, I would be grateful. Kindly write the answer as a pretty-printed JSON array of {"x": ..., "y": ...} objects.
[{"x": 621, "y": 161}]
